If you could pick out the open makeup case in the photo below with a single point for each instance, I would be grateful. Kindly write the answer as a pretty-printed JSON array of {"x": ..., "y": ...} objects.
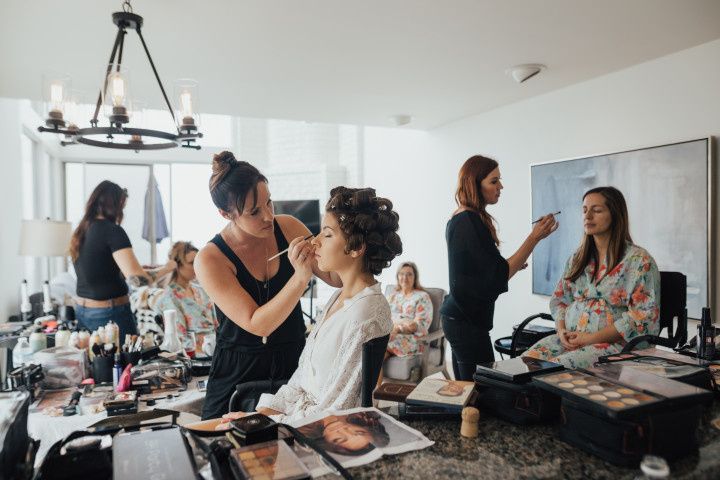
[
  {"x": 505, "y": 388},
  {"x": 621, "y": 413},
  {"x": 151, "y": 444}
]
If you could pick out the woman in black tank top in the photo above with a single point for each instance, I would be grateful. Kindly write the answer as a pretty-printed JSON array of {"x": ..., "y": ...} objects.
[{"x": 261, "y": 332}]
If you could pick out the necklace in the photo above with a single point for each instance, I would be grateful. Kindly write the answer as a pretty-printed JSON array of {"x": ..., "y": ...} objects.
[{"x": 265, "y": 288}]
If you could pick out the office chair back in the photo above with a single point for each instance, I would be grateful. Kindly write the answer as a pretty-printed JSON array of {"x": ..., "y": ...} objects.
[
  {"x": 373, "y": 355},
  {"x": 247, "y": 395},
  {"x": 673, "y": 304}
]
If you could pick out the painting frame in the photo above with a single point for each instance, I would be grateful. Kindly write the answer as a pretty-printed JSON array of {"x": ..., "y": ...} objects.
[{"x": 710, "y": 171}]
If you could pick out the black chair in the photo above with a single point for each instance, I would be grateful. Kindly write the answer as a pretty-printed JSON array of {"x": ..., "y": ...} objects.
[
  {"x": 247, "y": 395},
  {"x": 373, "y": 355},
  {"x": 673, "y": 304},
  {"x": 524, "y": 336}
]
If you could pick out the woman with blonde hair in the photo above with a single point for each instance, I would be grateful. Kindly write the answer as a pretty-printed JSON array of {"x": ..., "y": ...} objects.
[
  {"x": 478, "y": 273},
  {"x": 195, "y": 310},
  {"x": 412, "y": 312}
]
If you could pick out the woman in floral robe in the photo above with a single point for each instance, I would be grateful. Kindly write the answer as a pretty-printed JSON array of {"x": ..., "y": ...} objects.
[
  {"x": 195, "y": 312},
  {"x": 412, "y": 312},
  {"x": 597, "y": 311}
]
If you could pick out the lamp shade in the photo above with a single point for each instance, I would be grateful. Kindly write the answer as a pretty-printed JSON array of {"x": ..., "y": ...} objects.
[{"x": 45, "y": 238}]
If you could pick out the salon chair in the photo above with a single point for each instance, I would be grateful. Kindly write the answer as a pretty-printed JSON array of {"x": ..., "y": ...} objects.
[
  {"x": 432, "y": 358},
  {"x": 247, "y": 395},
  {"x": 524, "y": 336},
  {"x": 673, "y": 305}
]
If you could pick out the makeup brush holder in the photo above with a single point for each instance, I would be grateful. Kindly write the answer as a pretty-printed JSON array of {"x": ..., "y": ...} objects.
[
  {"x": 102, "y": 368},
  {"x": 129, "y": 357}
]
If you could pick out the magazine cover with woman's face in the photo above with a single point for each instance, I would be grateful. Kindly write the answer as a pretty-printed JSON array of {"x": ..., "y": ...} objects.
[{"x": 359, "y": 436}]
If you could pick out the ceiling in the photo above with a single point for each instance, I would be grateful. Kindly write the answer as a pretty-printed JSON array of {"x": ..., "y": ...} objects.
[{"x": 339, "y": 61}]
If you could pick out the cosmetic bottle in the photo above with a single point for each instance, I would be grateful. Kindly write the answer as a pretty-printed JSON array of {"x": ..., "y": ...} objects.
[
  {"x": 706, "y": 336},
  {"x": 38, "y": 340},
  {"x": 117, "y": 370},
  {"x": 653, "y": 468},
  {"x": 25, "y": 305},
  {"x": 62, "y": 336},
  {"x": 22, "y": 353},
  {"x": 170, "y": 343},
  {"x": 47, "y": 299}
]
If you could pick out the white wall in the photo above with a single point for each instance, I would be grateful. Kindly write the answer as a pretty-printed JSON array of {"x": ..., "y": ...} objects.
[{"x": 673, "y": 98}]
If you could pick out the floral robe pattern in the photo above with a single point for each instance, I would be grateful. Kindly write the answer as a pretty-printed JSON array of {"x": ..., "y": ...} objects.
[
  {"x": 195, "y": 311},
  {"x": 414, "y": 308},
  {"x": 628, "y": 297}
]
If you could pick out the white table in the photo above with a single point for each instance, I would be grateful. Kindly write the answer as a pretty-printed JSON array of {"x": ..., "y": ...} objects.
[{"x": 51, "y": 429}]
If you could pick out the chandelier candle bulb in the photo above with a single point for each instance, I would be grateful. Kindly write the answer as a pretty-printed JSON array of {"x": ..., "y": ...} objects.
[{"x": 117, "y": 103}]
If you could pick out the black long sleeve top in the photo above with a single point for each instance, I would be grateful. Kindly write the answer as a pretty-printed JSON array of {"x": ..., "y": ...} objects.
[{"x": 478, "y": 273}]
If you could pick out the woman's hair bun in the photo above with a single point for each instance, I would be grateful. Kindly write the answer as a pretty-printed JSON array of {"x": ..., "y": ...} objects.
[
  {"x": 222, "y": 163},
  {"x": 367, "y": 220}
]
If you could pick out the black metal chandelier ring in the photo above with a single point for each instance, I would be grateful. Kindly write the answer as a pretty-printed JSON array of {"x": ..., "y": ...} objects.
[{"x": 186, "y": 134}]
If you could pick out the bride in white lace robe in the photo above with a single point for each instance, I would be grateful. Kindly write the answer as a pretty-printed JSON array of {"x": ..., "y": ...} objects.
[
  {"x": 357, "y": 241},
  {"x": 329, "y": 373}
]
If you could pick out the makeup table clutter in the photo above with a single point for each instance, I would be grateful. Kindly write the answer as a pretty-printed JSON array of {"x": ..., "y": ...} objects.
[
  {"x": 49, "y": 429},
  {"x": 507, "y": 451}
]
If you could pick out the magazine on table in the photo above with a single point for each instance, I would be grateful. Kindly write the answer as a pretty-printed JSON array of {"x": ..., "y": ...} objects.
[
  {"x": 452, "y": 395},
  {"x": 355, "y": 437}
]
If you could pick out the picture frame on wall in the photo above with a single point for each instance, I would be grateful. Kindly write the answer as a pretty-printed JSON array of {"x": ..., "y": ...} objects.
[{"x": 670, "y": 191}]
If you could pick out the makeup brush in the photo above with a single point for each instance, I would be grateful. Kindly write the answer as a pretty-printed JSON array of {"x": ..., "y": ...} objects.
[
  {"x": 553, "y": 214},
  {"x": 286, "y": 250}
]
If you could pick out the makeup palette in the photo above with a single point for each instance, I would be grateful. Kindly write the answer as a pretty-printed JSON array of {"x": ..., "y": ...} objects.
[
  {"x": 273, "y": 460},
  {"x": 621, "y": 391},
  {"x": 610, "y": 395}
]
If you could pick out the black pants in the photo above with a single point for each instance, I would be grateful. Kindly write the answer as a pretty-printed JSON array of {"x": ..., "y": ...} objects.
[
  {"x": 231, "y": 367},
  {"x": 470, "y": 345}
]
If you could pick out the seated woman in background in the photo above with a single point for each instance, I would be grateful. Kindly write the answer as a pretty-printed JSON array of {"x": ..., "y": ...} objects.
[
  {"x": 609, "y": 291},
  {"x": 412, "y": 312},
  {"x": 195, "y": 310},
  {"x": 357, "y": 241}
]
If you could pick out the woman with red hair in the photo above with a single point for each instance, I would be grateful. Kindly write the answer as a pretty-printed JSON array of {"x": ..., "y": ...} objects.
[{"x": 478, "y": 272}]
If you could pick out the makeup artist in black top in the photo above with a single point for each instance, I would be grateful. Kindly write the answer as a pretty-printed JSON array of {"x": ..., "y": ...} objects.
[
  {"x": 478, "y": 273},
  {"x": 261, "y": 330}
]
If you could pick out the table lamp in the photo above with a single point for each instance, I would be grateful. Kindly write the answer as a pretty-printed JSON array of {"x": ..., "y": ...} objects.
[{"x": 45, "y": 238}]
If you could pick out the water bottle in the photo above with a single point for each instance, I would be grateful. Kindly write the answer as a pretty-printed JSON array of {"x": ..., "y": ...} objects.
[{"x": 22, "y": 353}]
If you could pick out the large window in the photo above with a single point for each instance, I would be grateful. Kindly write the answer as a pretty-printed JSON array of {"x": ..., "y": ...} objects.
[{"x": 188, "y": 210}]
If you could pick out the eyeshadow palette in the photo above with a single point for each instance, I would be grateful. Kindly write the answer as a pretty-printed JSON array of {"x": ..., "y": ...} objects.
[
  {"x": 613, "y": 396},
  {"x": 273, "y": 460},
  {"x": 620, "y": 391}
]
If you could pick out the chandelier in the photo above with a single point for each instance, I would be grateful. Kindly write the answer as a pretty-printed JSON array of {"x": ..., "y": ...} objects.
[{"x": 114, "y": 98}]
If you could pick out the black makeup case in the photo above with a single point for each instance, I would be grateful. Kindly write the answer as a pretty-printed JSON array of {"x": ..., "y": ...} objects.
[
  {"x": 667, "y": 365},
  {"x": 621, "y": 414},
  {"x": 505, "y": 390}
]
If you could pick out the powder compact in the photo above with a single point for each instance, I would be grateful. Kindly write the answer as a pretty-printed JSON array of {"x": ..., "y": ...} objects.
[{"x": 273, "y": 460}]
